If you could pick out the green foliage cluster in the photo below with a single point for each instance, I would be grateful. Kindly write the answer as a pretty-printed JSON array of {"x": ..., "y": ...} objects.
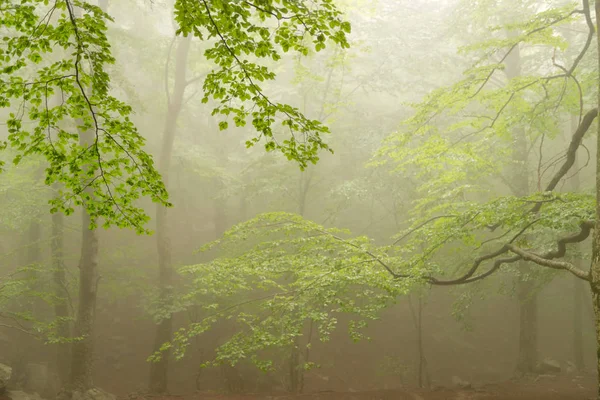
[
  {"x": 449, "y": 245},
  {"x": 463, "y": 134},
  {"x": 246, "y": 32},
  {"x": 23, "y": 293},
  {"x": 276, "y": 272},
  {"x": 53, "y": 63}
]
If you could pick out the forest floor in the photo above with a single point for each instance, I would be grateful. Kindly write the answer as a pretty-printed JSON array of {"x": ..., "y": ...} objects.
[{"x": 540, "y": 388}]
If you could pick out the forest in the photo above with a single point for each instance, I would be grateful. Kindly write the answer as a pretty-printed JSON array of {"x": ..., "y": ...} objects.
[{"x": 299, "y": 199}]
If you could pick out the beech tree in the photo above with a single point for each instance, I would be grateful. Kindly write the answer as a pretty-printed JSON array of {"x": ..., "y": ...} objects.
[
  {"x": 467, "y": 130},
  {"x": 94, "y": 153},
  {"x": 461, "y": 234}
]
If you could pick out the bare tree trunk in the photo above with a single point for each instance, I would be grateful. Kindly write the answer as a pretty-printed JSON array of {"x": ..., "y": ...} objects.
[
  {"x": 294, "y": 366},
  {"x": 295, "y": 370},
  {"x": 61, "y": 308},
  {"x": 417, "y": 317},
  {"x": 578, "y": 287},
  {"x": 159, "y": 370},
  {"x": 82, "y": 351},
  {"x": 528, "y": 324},
  {"x": 32, "y": 257},
  {"x": 595, "y": 265},
  {"x": 526, "y": 295},
  {"x": 578, "y": 291}
]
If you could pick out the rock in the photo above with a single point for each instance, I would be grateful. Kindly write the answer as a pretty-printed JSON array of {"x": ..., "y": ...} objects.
[
  {"x": 571, "y": 368},
  {"x": 19, "y": 395},
  {"x": 459, "y": 383},
  {"x": 5, "y": 374},
  {"x": 548, "y": 366}
]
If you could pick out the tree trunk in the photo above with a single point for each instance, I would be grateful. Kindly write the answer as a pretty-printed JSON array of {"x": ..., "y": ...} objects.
[
  {"x": 83, "y": 349},
  {"x": 528, "y": 324},
  {"x": 295, "y": 370},
  {"x": 578, "y": 290},
  {"x": 595, "y": 267},
  {"x": 32, "y": 256},
  {"x": 526, "y": 295},
  {"x": 578, "y": 285},
  {"x": 61, "y": 308},
  {"x": 159, "y": 370},
  {"x": 294, "y": 366},
  {"x": 417, "y": 317}
]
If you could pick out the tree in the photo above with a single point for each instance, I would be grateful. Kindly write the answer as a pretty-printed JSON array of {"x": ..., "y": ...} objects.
[
  {"x": 516, "y": 225},
  {"x": 278, "y": 271},
  {"x": 234, "y": 83},
  {"x": 99, "y": 160},
  {"x": 158, "y": 371}
]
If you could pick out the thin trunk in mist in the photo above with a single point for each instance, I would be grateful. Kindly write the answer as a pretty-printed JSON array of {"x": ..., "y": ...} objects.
[
  {"x": 159, "y": 370},
  {"x": 82, "y": 351},
  {"x": 32, "y": 252},
  {"x": 578, "y": 304},
  {"x": 417, "y": 317},
  {"x": 595, "y": 265},
  {"x": 61, "y": 307},
  {"x": 579, "y": 286},
  {"x": 30, "y": 256},
  {"x": 526, "y": 295},
  {"x": 295, "y": 370},
  {"x": 220, "y": 217}
]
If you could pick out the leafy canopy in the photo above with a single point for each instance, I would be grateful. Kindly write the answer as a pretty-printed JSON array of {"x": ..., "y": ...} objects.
[
  {"x": 276, "y": 272},
  {"x": 54, "y": 80},
  {"x": 246, "y": 32}
]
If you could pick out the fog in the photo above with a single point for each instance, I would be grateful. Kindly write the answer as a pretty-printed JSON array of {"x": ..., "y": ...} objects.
[{"x": 407, "y": 212}]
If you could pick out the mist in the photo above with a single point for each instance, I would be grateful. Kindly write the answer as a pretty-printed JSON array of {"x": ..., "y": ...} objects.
[{"x": 328, "y": 199}]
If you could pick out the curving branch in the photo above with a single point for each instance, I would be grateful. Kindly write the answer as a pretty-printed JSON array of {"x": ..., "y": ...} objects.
[
  {"x": 545, "y": 262},
  {"x": 470, "y": 276},
  {"x": 547, "y": 259},
  {"x": 591, "y": 30},
  {"x": 582, "y": 129},
  {"x": 570, "y": 155},
  {"x": 416, "y": 228}
]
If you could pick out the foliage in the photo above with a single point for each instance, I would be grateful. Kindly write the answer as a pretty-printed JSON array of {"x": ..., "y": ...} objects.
[
  {"x": 288, "y": 270},
  {"x": 247, "y": 31},
  {"x": 22, "y": 193},
  {"x": 53, "y": 65},
  {"x": 19, "y": 291},
  {"x": 461, "y": 135},
  {"x": 450, "y": 245}
]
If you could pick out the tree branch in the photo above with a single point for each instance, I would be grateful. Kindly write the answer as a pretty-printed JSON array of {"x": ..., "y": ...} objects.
[
  {"x": 583, "y": 127},
  {"x": 586, "y": 227},
  {"x": 19, "y": 329},
  {"x": 544, "y": 262},
  {"x": 416, "y": 228}
]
